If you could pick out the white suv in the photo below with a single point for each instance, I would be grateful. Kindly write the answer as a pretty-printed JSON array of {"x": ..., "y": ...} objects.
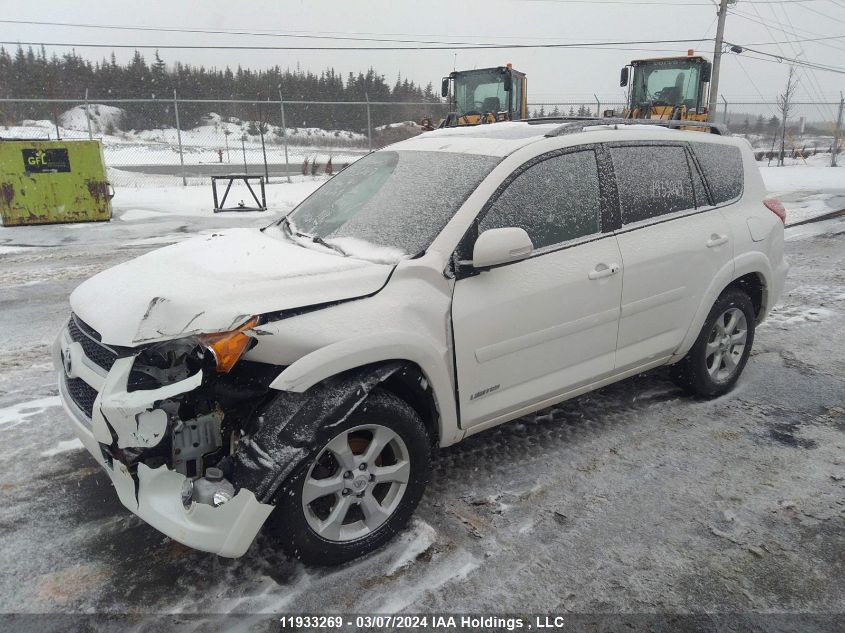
[{"x": 449, "y": 283}]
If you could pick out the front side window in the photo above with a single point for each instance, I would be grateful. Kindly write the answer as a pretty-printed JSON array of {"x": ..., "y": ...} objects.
[
  {"x": 391, "y": 201},
  {"x": 481, "y": 91},
  {"x": 666, "y": 83},
  {"x": 555, "y": 200},
  {"x": 653, "y": 180}
]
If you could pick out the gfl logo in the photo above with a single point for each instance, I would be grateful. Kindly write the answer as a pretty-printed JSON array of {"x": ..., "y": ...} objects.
[{"x": 39, "y": 158}]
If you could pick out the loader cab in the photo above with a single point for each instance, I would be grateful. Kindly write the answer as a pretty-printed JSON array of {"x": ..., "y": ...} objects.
[
  {"x": 485, "y": 95},
  {"x": 667, "y": 88}
]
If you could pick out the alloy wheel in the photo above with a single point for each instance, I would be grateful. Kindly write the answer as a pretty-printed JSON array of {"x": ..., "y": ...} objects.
[
  {"x": 726, "y": 344},
  {"x": 356, "y": 483}
]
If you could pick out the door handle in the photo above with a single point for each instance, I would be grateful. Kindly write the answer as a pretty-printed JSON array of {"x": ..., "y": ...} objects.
[
  {"x": 603, "y": 270},
  {"x": 717, "y": 240}
]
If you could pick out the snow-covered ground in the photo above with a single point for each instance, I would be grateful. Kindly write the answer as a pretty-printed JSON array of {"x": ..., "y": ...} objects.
[
  {"x": 631, "y": 499},
  {"x": 808, "y": 188}
]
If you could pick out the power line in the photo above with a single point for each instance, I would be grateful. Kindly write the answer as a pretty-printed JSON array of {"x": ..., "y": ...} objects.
[
  {"x": 316, "y": 35},
  {"x": 269, "y": 33},
  {"x": 306, "y": 35},
  {"x": 355, "y": 48},
  {"x": 824, "y": 15},
  {"x": 807, "y": 39},
  {"x": 792, "y": 60},
  {"x": 664, "y": 3},
  {"x": 751, "y": 81},
  {"x": 293, "y": 34},
  {"x": 810, "y": 74},
  {"x": 751, "y": 18}
]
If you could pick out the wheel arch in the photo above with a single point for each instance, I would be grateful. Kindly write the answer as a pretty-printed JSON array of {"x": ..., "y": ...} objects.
[
  {"x": 754, "y": 285},
  {"x": 424, "y": 381},
  {"x": 750, "y": 272}
]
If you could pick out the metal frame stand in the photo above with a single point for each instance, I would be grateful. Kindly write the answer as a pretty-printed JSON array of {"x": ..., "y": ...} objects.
[{"x": 218, "y": 206}]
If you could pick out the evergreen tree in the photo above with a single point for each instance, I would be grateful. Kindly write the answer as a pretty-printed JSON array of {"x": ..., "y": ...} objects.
[{"x": 29, "y": 73}]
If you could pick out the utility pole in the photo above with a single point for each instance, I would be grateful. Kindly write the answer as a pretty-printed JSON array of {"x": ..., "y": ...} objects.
[
  {"x": 717, "y": 60},
  {"x": 284, "y": 132},
  {"x": 837, "y": 133},
  {"x": 179, "y": 139},
  {"x": 88, "y": 115}
]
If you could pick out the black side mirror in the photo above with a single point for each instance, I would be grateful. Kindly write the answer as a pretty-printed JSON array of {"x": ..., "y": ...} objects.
[
  {"x": 623, "y": 77},
  {"x": 444, "y": 87},
  {"x": 706, "y": 71},
  {"x": 507, "y": 82}
]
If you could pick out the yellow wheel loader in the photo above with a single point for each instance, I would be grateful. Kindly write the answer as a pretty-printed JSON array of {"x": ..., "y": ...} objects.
[
  {"x": 676, "y": 88},
  {"x": 485, "y": 95}
]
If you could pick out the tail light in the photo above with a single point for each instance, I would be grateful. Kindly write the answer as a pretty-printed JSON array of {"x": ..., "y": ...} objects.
[{"x": 777, "y": 208}]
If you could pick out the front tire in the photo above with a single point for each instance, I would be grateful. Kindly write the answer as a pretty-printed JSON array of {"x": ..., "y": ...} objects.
[
  {"x": 360, "y": 488},
  {"x": 714, "y": 363}
]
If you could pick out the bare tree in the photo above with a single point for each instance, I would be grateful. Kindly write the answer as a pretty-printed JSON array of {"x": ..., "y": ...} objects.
[{"x": 784, "y": 106}]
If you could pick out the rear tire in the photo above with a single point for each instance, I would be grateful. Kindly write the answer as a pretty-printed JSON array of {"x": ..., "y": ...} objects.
[
  {"x": 357, "y": 490},
  {"x": 714, "y": 363}
]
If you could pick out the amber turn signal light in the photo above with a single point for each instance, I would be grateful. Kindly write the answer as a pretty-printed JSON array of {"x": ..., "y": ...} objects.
[{"x": 228, "y": 347}]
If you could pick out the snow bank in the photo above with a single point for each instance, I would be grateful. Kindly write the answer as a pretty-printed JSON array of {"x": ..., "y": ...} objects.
[
  {"x": 813, "y": 176},
  {"x": 104, "y": 118}
]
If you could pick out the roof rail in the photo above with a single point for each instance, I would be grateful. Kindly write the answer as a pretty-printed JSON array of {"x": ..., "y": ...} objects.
[{"x": 573, "y": 126}]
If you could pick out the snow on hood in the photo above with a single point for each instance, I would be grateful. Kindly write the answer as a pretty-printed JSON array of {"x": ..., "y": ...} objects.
[{"x": 215, "y": 283}]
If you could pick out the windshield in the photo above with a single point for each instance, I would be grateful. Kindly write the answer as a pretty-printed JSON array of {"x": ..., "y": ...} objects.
[
  {"x": 669, "y": 83},
  {"x": 390, "y": 204},
  {"x": 481, "y": 91}
]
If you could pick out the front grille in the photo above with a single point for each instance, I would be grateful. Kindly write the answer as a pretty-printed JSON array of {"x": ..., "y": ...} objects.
[
  {"x": 82, "y": 394},
  {"x": 87, "y": 337}
]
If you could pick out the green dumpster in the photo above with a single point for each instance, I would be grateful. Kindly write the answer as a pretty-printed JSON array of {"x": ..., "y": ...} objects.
[{"x": 44, "y": 182}]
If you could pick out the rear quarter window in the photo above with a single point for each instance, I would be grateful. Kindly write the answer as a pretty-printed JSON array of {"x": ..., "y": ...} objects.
[{"x": 722, "y": 167}]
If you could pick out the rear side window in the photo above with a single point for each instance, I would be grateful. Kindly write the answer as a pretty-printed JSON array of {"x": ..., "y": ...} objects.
[
  {"x": 722, "y": 166},
  {"x": 653, "y": 180},
  {"x": 555, "y": 200}
]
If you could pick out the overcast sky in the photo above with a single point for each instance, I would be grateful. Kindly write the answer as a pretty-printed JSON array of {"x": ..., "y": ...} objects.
[{"x": 554, "y": 74}]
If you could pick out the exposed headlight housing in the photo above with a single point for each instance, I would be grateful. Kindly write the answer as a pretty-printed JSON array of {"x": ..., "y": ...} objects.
[
  {"x": 228, "y": 347},
  {"x": 171, "y": 361}
]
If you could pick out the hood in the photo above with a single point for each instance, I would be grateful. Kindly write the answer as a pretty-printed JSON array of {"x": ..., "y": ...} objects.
[{"x": 214, "y": 283}]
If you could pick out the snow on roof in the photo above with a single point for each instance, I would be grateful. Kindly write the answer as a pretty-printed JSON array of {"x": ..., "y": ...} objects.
[
  {"x": 501, "y": 139},
  {"x": 498, "y": 139}
]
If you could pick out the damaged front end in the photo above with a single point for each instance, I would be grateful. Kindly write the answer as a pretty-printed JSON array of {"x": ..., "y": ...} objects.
[{"x": 165, "y": 421}]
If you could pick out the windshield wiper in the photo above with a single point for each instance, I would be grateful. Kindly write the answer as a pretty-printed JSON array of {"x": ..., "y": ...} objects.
[
  {"x": 314, "y": 238},
  {"x": 319, "y": 240}
]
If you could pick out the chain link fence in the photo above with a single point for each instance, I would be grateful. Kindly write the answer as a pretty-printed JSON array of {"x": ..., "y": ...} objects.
[
  {"x": 156, "y": 142},
  {"x": 177, "y": 141},
  {"x": 810, "y": 130}
]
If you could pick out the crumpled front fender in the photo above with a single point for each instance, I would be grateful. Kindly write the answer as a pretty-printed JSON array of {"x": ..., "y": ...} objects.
[{"x": 295, "y": 425}]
